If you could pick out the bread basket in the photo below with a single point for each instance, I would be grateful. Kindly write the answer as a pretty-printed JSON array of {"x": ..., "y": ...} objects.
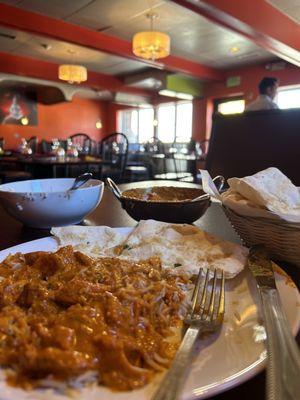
[{"x": 281, "y": 238}]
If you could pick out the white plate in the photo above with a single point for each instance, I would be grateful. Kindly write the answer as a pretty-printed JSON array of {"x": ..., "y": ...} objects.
[{"x": 221, "y": 361}]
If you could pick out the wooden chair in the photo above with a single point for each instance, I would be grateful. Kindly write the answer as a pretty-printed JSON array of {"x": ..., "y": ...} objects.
[{"x": 114, "y": 149}]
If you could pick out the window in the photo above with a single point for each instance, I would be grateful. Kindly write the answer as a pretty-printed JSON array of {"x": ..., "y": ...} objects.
[
  {"x": 128, "y": 124},
  {"x": 166, "y": 123},
  {"x": 289, "y": 98},
  {"x": 184, "y": 121},
  {"x": 146, "y": 127},
  {"x": 231, "y": 107},
  {"x": 175, "y": 122},
  {"x": 137, "y": 124}
]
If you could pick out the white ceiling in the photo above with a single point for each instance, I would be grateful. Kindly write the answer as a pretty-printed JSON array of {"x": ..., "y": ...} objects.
[
  {"x": 29, "y": 45},
  {"x": 193, "y": 37},
  {"x": 289, "y": 7}
]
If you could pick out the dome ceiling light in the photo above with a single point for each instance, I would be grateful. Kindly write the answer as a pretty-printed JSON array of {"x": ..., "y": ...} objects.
[
  {"x": 72, "y": 73},
  {"x": 151, "y": 45}
]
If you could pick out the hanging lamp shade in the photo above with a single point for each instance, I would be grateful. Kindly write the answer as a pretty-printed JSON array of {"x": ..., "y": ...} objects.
[
  {"x": 72, "y": 73},
  {"x": 151, "y": 45}
]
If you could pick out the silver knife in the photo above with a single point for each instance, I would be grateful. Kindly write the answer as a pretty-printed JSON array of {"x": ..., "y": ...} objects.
[{"x": 283, "y": 368}]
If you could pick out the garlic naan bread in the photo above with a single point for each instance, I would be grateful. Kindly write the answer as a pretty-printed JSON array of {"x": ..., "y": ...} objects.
[
  {"x": 269, "y": 188},
  {"x": 95, "y": 241},
  {"x": 184, "y": 247}
]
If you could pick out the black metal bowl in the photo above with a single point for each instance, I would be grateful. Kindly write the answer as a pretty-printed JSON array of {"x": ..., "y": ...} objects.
[{"x": 178, "y": 208}]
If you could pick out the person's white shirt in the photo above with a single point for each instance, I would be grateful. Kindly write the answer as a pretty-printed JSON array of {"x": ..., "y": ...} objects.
[{"x": 262, "y": 102}]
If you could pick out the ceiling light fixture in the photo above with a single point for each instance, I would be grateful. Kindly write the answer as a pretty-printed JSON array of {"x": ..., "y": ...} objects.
[
  {"x": 151, "y": 45},
  {"x": 72, "y": 73},
  {"x": 234, "y": 50}
]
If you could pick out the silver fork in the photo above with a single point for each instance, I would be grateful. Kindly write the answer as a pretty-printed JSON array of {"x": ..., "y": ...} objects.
[{"x": 206, "y": 316}]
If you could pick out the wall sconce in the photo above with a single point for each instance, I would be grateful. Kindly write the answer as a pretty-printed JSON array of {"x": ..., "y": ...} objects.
[
  {"x": 98, "y": 124},
  {"x": 24, "y": 121},
  {"x": 155, "y": 122}
]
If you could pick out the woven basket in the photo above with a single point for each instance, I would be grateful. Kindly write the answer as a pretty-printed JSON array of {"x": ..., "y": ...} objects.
[{"x": 281, "y": 238}]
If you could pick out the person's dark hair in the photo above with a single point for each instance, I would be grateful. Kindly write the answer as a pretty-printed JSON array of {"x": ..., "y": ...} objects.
[{"x": 265, "y": 83}]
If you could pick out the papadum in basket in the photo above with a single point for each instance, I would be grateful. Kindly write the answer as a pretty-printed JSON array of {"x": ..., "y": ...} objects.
[{"x": 281, "y": 238}]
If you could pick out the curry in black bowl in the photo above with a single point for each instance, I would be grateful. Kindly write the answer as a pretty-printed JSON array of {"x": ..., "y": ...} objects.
[{"x": 164, "y": 203}]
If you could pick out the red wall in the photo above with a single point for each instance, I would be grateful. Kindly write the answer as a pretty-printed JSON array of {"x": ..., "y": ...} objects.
[
  {"x": 60, "y": 121},
  {"x": 80, "y": 115},
  {"x": 250, "y": 77}
]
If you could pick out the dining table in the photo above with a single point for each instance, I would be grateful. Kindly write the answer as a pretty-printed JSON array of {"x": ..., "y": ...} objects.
[
  {"x": 172, "y": 165},
  {"x": 48, "y": 166},
  {"x": 110, "y": 213}
]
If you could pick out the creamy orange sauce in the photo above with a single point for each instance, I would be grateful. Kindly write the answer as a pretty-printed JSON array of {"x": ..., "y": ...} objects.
[
  {"x": 63, "y": 314},
  {"x": 163, "y": 194}
]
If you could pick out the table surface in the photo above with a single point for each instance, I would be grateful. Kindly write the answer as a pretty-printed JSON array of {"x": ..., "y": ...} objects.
[
  {"x": 180, "y": 156},
  {"x": 52, "y": 160},
  {"x": 109, "y": 212}
]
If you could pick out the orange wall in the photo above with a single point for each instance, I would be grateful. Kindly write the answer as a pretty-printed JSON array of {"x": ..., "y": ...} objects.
[
  {"x": 250, "y": 77},
  {"x": 80, "y": 115},
  {"x": 60, "y": 121}
]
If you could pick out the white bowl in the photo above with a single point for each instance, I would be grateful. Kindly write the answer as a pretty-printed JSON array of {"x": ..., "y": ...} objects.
[{"x": 43, "y": 203}]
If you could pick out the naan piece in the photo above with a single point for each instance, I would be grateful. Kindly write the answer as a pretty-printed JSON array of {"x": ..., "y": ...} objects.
[
  {"x": 95, "y": 241},
  {"x": 270, "y": 189},
  {"x": 184, "y": 247}
]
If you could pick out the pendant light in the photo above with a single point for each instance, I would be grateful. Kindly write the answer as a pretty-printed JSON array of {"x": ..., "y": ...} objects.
[
  {"x": 72, "y": 73},
  {"x": 151, "y": 45}
]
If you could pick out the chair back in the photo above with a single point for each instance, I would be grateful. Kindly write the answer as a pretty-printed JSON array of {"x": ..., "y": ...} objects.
[
  {"x": 180, "y": 147},
  {"x": 33, "y": 144},
  {"x": 114, "y": 148},
  {"x": 47, "y": 146},
  {"x": 83, "y": 143},
  {"x": 242, "y": 145},
  {"x": 155, "y": 146},
  {"x": 94, "y": 148}
]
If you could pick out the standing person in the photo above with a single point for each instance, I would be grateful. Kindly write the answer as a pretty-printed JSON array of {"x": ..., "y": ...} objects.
[{"x": 267, "y": 92}]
